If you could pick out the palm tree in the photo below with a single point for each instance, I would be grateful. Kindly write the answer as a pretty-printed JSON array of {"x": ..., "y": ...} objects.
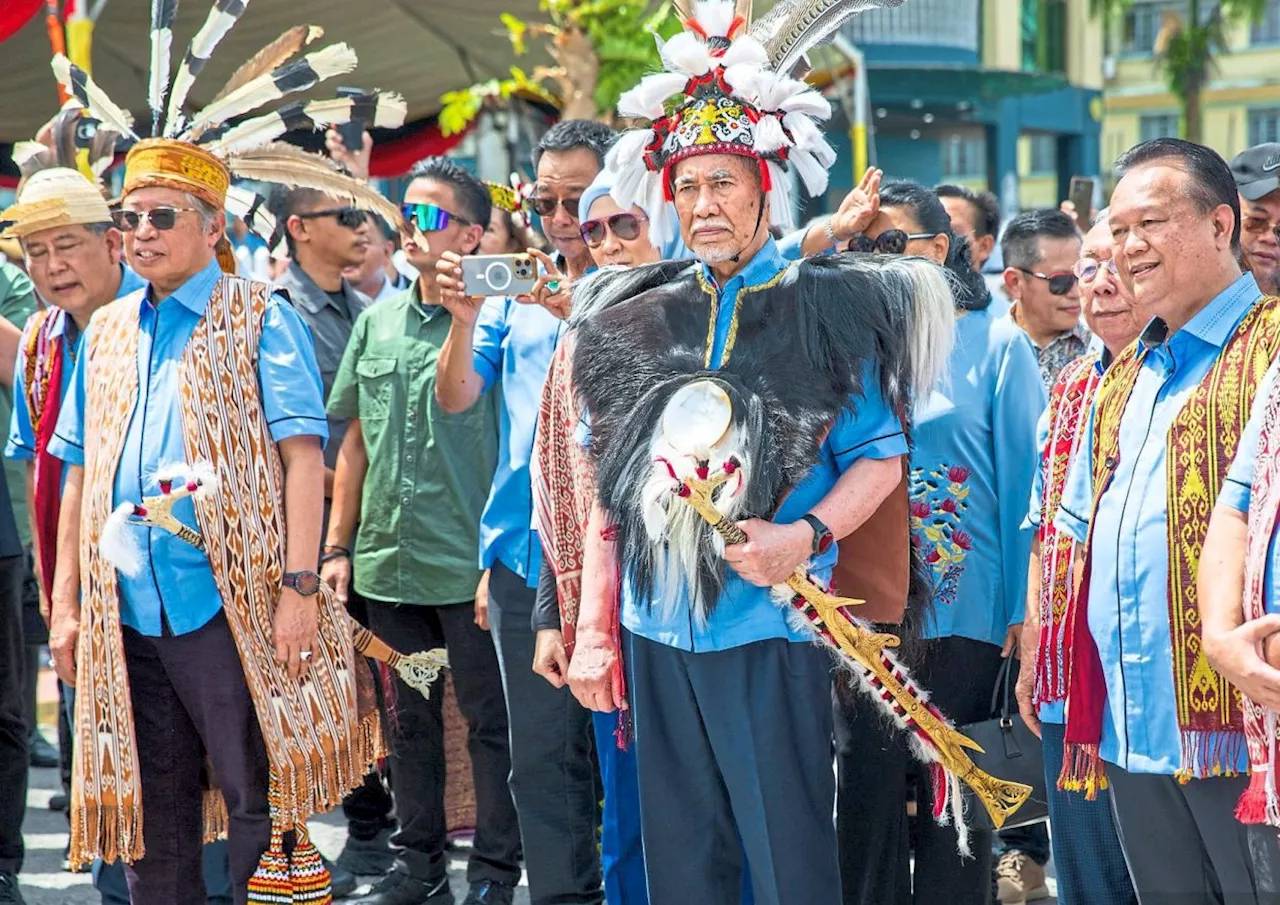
[{"x": 1186, "y": 45}]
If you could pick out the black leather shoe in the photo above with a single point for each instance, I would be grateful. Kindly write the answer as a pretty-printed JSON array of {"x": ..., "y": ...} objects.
[
  {"x": 58, "y": 801},
  {"x": 9, "y": 894},
  {"x": 487, "y": 892},
  {"x": 42, "y": 754},
  {"x": 398, "y": 888},
  {"x": 342, "y": 882},
  {"x": 368, "y": 857}
]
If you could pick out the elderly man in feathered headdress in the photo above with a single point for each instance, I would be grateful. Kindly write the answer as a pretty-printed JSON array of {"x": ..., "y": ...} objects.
[
  {"x": 780, "y": 389},
  {"x": 214, "y": 670}
]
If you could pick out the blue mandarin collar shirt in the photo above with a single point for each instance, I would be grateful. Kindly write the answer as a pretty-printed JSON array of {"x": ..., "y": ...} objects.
[
  {"x": 972, "y": 468},
  {"x": 1129, "y": 583},
  {"x": 175, "y": 592},
  {"x": 746, "y": 613},
  {"x": 22, "y": 433}
]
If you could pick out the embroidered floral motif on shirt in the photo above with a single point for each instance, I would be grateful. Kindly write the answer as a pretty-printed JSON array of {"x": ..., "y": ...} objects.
[{"x": 938, "y": 504}]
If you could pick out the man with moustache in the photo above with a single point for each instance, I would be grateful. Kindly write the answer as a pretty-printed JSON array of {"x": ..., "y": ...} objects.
[
  {"x": 409, "y": 488},
  {"x": 324, "y": 238},
  {"x": 1147, "y": 713},
  {"x": 1040, "y": 248},
  {"x": 1257, "y": 174},
  {"x": 512, "y": 340},
  {"x": 1088, "y": 861}
]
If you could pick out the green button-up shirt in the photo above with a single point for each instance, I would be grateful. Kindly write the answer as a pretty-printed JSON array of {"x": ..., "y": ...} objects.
[
  {"x": 17, "y": 303},
  {"x": 429, "y": 471}
]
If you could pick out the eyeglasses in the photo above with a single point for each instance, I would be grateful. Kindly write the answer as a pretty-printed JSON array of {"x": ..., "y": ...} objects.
[
  {"x": 161, "y": 218},
  {"x": 348, "y": 217},
  {"x": 889, "y": 242},
  {"x": 546, "y": 207},
  {"x": 625, "y": 226},
  {"x": 428, "y": 218},
  {"x": 1059, "y": 283},
  {"x": 1087, "y": 269}
]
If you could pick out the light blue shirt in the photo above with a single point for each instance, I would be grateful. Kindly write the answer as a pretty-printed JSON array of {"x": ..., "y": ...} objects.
[
  {"x": 972, "y": 467},
  {"x": 22, "y": 433},
  {"x": 1129, "y": 580},
  {"x": 514, "y": 343},
  {"x": 176, "y": 588},
  {"x": 1237, "y": 489},
  {"x": 746, "y": 613}
]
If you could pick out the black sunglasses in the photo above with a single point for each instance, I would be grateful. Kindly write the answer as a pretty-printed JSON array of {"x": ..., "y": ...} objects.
[
  {"x": 889, "y": 242},
  {"x": 546, "y": 207},
  {"x": 348, "y": 217},
  {"x": 625, "y": 226},
  {"x": 1059, "y": 283},
  {"x": 161, "y": 218}
]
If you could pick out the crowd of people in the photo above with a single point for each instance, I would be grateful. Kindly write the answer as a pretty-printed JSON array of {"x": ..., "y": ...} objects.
[{"x": 623, "y": 502}]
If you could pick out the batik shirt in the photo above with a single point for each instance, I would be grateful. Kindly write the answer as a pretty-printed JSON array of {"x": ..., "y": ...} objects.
[{"x": 971, "y": 472}]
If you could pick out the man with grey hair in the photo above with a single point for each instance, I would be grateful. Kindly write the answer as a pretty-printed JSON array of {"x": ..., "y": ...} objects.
[{"x": 75, "y": 257}]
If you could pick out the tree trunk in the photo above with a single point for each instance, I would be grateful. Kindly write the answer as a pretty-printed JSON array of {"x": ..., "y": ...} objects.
[{"x": 1192, "y": 111}]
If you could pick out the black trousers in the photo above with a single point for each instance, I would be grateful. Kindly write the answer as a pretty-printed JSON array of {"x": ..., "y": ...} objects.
[
  {"x": 190, "y": 699},
  {"x": 875, "y": 769},
  {"x": 733, "y": 750},
  {"x": 1184, "y": 846},
  {"x": 417, "y": 743},
  {"x": 552, "y": 764},
  {"x": 13, "y": 723},
  {"x": 368, "y": 807}
]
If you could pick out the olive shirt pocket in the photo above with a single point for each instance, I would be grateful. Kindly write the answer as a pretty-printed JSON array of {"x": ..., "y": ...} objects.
[{"x": 377, "y": 385}]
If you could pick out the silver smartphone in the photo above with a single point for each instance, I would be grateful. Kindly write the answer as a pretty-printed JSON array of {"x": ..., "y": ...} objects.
[{"x": 499, "y": 274}]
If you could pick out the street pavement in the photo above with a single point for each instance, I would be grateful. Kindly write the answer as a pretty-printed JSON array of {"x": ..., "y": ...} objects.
[{"x": 44, "y": 882}]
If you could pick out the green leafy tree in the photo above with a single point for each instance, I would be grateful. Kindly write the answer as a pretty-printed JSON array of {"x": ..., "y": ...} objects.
[
  {"x": 1186, "y": 45},
  {"x": 600, "y": 49}
]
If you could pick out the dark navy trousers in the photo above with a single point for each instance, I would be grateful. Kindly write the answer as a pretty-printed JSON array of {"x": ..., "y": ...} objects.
[
  {"x": 1087, "y": 857},
  {"x": 734, "y": 755}
]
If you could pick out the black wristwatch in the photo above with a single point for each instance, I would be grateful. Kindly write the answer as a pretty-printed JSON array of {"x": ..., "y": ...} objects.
[
  {"x": 305, "y": 583},
  {"x": 822, "y": 536}
]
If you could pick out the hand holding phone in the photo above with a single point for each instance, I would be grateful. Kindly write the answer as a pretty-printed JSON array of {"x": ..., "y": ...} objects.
[
  {"x": 1081, "y": 197},
  {"x": 484, "y": 275}
]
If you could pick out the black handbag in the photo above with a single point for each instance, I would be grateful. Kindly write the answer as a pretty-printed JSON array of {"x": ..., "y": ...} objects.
[{"x": 1010, "y": 751}]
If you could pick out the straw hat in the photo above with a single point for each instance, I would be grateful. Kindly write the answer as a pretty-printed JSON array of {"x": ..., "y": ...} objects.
[{"x": 54, "y": 197}]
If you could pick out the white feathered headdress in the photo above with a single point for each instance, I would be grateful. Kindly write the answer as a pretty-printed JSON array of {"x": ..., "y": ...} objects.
[{"x": 733, "y": 94}]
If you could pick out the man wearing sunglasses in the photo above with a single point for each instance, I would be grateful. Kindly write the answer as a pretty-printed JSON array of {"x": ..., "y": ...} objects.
[
  {"x": 1040, "y": 248},
  {"x": 178, "y": 623},
  {"x": 324, "y": 236},
  {"x": 1257, "y": 174},
  {"x": 410, "y": 484},
  {"x": 512, "y": 341}
]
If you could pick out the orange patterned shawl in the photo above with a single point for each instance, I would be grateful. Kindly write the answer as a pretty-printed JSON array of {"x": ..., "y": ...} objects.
[{"x": 320, "y": 732}]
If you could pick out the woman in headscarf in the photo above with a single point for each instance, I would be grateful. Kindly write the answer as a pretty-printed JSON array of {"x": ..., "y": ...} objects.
[
  {"x": 972, "y": 464},
  {"x": 564, "y": 491}
]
